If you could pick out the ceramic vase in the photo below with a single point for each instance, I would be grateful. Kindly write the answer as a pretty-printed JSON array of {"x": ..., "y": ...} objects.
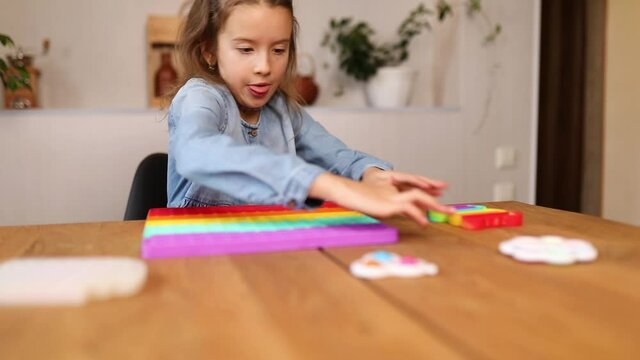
[
  {"x": 391, "y": 87},
  {"x": 305, "y": 79},
  {"x": 166, "y": 76}
]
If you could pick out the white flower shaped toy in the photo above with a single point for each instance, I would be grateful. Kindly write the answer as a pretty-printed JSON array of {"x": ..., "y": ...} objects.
[
  {"x": 380, "y": 264},
  {"x": 554, "y": 250}
]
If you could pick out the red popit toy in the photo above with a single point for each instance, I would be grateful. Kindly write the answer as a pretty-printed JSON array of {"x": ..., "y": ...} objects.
[{"x": 477, "y": 217}]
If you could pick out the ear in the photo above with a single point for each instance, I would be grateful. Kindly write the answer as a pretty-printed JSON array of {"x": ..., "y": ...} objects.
[{"x": 208, "y": 56}]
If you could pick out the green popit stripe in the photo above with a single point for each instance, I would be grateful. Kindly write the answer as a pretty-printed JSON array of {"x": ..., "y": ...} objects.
[
  {"x": 256, "y": 226},
  {"x": 437, "y": 217}
]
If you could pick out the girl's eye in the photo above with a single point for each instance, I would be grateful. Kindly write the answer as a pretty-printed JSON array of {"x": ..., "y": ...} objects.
[
  {"x": 279, "y": 51},
  {"x": 245, "y": 50}
]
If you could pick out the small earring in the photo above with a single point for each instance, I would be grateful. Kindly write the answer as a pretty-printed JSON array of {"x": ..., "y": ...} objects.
[{"x": 212, "y": 67}]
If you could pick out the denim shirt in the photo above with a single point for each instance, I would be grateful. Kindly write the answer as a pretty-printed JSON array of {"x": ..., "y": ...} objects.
[{"x": 216, "y": 158}]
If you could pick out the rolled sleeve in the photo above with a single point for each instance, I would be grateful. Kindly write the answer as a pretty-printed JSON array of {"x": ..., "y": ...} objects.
[
  {"x": 316, "y": 145},
  {"x": 359, "y": 168},
  {"x": 297, "y": 190}
]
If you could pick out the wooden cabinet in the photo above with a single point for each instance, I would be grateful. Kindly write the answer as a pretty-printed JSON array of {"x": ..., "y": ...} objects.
[{"x": 162, "y": 35}]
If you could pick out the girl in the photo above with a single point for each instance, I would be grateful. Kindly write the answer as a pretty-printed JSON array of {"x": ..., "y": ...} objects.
[{"x": 237, "y": 135}]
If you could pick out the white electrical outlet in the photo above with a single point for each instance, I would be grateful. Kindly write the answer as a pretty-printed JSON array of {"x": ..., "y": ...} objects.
[
  {"x": 505, "y": 157},
  {"x": 504, "y": 191}
]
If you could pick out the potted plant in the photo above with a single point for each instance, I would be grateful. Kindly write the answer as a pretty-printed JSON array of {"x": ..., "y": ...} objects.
[
  {"x": 387, "y": 82},
  {"x": 12, "y": 80}
]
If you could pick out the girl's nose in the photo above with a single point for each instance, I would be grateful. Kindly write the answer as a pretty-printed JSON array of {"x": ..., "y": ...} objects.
[{"x": 263, "y": 65}]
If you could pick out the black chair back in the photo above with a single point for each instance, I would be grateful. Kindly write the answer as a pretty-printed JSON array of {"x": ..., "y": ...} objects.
[{"x": 149, "y": 187}]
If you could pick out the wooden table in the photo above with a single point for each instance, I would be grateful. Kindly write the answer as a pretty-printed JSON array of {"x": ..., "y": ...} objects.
[{"x": 306, "y": 305}]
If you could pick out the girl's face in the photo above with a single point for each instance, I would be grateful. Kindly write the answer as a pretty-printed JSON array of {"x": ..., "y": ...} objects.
[{"x": 253, "y": 53}]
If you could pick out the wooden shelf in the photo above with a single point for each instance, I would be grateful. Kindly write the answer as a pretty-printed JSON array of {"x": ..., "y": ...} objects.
[{"x": 162, "y": 35}]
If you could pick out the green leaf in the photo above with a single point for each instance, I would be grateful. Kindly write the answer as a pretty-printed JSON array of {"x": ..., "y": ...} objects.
[
  {"x": 491, "y": 37},
  {"x": 444, "y": 9},
  {"x": 6, "y": 40},
  {"x": 12, "y": 84},
  {"x": 326, "y": 39},
  {"x": 3, "y": 67},
  {"x": 474, "y": 6},
  {"x": 23, "y": 72}
]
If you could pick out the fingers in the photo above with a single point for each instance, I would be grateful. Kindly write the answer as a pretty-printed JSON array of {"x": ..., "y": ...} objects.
[
  {"x": 434, "y": 182},
  {"x": 430, "y": 203},
  {"x": 383, "y": 200},
  {"x": 416, "y": 214},
  {"x": 432, "y": 186},
  {"x": 413, "y": 204}
]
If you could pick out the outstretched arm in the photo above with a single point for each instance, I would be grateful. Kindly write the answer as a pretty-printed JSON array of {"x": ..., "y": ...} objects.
[{"x": 382, "y": 195}]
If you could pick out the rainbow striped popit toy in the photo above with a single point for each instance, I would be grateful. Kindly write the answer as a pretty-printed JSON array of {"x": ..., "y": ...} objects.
[{"x": 181, "y": 232}]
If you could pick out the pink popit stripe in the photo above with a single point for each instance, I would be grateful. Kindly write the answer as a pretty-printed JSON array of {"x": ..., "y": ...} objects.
[{"x": 182, "y": 245}]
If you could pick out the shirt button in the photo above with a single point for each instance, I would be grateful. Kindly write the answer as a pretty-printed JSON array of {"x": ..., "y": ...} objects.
[
  {"x": 291, "y": 204},
  {"x": 253, "y": 133}
]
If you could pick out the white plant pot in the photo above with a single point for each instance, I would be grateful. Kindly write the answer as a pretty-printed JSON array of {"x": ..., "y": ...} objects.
[{"x": 391, "y": 87}]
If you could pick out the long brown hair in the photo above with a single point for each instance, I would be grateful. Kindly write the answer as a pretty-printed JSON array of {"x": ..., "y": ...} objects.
[{"x": 200, "y": 30}]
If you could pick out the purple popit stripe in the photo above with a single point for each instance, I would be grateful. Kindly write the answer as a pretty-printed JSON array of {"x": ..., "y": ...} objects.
[{"x": 204, "y": 244}]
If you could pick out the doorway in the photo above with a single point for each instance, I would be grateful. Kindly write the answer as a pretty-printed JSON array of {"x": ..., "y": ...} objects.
[{"x": 570, "y": 124}]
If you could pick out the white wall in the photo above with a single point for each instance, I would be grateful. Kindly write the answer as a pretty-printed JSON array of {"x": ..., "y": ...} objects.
[
  {"x": 97, "y": 57},
  {"x": 77, "y": 165},
  {"x": 621, "y": 198},
  {"x": 59, "y": 166},
  {"x": 98, "y": 51},
  {"x": 63, "y": 166}
]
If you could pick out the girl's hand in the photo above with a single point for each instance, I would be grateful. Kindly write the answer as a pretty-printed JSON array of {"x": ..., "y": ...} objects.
[
  {"x": 378, "y": 197},
  {"x": 403, "y": 181}
]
